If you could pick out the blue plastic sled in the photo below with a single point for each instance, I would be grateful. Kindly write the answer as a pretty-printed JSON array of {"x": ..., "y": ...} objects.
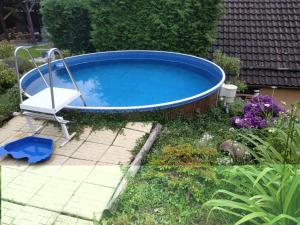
[{"x": 36, "y": 149}]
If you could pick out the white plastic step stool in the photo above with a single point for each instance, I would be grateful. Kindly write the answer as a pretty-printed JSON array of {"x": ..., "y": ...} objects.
[{"x": 40, "y": 102}]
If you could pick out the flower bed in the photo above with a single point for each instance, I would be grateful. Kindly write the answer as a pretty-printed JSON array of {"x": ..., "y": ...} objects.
[{"x": 259, "y": 112}]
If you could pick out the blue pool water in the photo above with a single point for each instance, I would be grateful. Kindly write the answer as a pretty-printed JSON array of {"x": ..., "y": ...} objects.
[{"x": 131, "y": 82}]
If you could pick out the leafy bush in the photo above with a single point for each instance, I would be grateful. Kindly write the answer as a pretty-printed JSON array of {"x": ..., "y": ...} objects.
[
  {"x": 9, "y": 103},
  {"x": 185, "y": 168},
  {"x": 68, "y": 23},
  {"x": 231, "y": 65},
  {"x": 241, "y": 85},
  {"x": 186, "y": 154},
  {"x": 7, "y": 76},
  {"x": 175, "y": 25},
  {"x": 24, "y": 64},
  {"x": 267, "y": 195},
  {"x": 6, "y": 54},
  {"x": 236, "y": 108},
  {"x": 6, "y": 49},
  {"x": 259, "y": 112}
]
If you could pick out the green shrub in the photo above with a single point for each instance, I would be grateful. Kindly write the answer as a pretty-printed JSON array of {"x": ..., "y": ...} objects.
[
  {"x": 267, "y": 195},
  {"x": 241, "y": 85},
  {"x": 68, "y": 24},
  {"x": 231, "y": 65},
  {"x": 174, "y": 25},
  {"x": 6, "y": 49},
  {"x": 9, "y": 103},
  {"x": 186, "y": 154},
  {"x": 236, "y": 108},
  {"x": 7, "y": 76},
  {"x": 6, "y": 54},
  {"x": 24, "y": 64}
]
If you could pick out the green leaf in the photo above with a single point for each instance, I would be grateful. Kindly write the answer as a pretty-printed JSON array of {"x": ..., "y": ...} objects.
[
  {"x": 251, "y": 216},
  {"x": 282, "y": 217},
  {"x": 294, "y": 187}
]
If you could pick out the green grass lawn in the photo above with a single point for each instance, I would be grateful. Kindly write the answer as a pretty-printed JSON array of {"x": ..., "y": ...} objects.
[{"x": 35, "y": 51}]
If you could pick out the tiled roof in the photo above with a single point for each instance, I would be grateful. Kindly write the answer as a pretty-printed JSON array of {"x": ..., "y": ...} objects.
[{"x": 265, "y": 35}]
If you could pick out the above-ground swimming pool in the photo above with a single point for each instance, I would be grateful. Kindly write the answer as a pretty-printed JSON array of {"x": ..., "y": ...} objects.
[{"x": 126, "y": 81}]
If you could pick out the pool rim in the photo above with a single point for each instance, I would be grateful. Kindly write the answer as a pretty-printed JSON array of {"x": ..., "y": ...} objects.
[{"x": 152, "y": 107}]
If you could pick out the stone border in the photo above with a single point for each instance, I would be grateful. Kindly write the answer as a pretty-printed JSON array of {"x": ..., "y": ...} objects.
[{"x": 133, "y": 169}]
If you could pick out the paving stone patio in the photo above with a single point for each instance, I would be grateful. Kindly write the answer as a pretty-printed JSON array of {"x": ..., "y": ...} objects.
[{"x": 75, "y": 185}]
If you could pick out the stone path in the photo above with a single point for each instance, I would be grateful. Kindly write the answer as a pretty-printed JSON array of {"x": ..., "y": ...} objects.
[{"x": 75, "y": 185}]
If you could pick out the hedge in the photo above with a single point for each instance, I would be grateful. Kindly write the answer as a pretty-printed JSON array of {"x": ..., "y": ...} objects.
[
  {"x": 68, "y": 23},
  {"x": 186, "y": 26}
]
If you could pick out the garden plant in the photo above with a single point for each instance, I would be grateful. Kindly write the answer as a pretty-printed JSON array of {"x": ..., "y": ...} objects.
[{"x": 261, "y": 195}]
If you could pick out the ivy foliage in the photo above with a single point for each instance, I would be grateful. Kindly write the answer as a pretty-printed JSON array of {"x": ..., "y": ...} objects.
[
  {"x": 68, "y": 23},
  {"x": 186, "y": 26}
]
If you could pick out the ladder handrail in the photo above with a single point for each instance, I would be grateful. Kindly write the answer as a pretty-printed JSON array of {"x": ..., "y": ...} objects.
[
  {"x": 50, "y": 53},
  {"x": 17, "y": 68}
]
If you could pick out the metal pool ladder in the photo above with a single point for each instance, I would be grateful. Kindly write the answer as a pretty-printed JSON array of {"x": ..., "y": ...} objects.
[{"x": 48, "y": 102}]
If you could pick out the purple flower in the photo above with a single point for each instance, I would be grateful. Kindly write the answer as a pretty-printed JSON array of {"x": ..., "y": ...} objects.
[{"x": 257, "y": 112}]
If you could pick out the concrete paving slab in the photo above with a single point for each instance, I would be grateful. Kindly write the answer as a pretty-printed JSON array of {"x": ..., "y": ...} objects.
[
  {"x": 86, "y": 133},
  {"x": 14, "y": 164},
  {"x": 128, "y": 138},
  {"x": 9, "y": 211},
  {"x": 144, "y": 127},
  {"x": 8, "y": 175},
  {"x": 89, "y": 201},
  {"x": 48, "y": 168},
  {"x": 68, "y": 220},
  {"x": 116, "y": 155},
  {"x": 69, "y": 148},
  {"x": 7, "y": 135},
  {"x": 90, "y": 151},
  {"x": 75, "y": 169},
  {"x": 34, "y": 216},
  {"x": 54, "y": 195},
  {"x": 103, "y": 136},
  {"x": 107, "y": 175},
  {"x": 23, "y": 187},
  {"x": 51, "y": 130},
  {"x": 15, "y": 124}
]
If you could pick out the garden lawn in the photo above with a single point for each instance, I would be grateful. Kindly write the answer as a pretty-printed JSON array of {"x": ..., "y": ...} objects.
[{"x": 35, "y": 51}]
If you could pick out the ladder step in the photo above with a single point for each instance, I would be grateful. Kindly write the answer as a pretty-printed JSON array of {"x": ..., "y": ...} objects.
[{"x": 41, "y": 101}]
